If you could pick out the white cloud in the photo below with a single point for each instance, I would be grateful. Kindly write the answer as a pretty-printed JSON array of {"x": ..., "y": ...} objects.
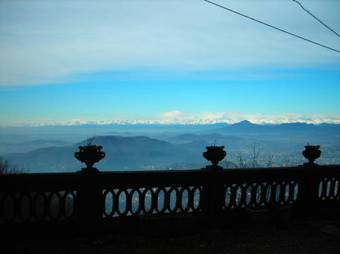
[
  {"x": 180, "y": 117},
  {"x": 234, "y": 117},
  {"x": 173, "y": 116},
  {"x": 53, "y": 41}
]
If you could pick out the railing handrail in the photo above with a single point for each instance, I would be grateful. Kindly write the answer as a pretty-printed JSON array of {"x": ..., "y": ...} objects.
[
  {"x": 305, "y": 187},
  {"x": 157, "y": 173}
]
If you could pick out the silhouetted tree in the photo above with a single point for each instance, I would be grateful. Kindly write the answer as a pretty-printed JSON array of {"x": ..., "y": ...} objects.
[
  {"x": 252, "y": 162},
  {"x": 254, "y": 157},
  {"x": 270, "y": 161},
  {"x": 241, "y": 162}
]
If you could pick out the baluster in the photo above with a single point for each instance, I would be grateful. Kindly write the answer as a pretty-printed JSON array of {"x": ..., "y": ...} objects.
[
  {"x": 291, "y": 192},
  {"x": 263, "y": 194},
  {"x": 243, "y": 190},
  {"x": 154, "y": 200},
  {"x": 115, "y": 202},
  {"x": 332, "y": 188},
  {"x": 272, "y": 196},
  {"x": 178, "y": 200},
  {"x": 253, "y": 192},
  {"x": 191, "y": 198},
  {"x": 233, "y": 196},
  {"x": 128, "y": 200},
  {"x": 282, "y": 196},
  {"x": 324, "y": 185},
  {"x": 167, "y": 200}
]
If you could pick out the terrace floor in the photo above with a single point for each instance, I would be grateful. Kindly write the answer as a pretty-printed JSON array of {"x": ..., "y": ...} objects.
[{"x": 306, "y": 236}]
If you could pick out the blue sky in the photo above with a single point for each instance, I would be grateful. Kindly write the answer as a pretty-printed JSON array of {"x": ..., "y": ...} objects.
[{"x": 68, "y": 62}]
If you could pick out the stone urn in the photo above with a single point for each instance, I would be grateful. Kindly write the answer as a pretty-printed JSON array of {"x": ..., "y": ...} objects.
[
  {"x": 214, "y": 154},
  {"x": 89, "y": 154},
  {"x": 311, "y": 153}
]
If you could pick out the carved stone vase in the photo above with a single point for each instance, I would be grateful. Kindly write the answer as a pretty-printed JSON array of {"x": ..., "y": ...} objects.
[
  {"x": 311, "y": 153},
  {"x": 214, "y": 154},
  {"x": 89, "y": 154}
]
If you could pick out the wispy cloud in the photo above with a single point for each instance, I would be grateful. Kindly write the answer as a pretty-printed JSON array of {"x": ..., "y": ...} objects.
[{"x": 45, "y": 42}]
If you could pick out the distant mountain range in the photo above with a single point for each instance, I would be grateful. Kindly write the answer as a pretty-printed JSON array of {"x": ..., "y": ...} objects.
[
  {"x": 300, "y": 131},
  {"x": 123, "y": 153},
  {"x": 175, "y": 147},
  {"x": 285, "y": 127},
  {"x": 26, "y": 146}
]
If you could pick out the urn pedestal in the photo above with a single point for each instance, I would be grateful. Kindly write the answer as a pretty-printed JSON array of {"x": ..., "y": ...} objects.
[
  {"x": 214, "y": 154},
  {"x": 89, "y": 154},
  {"x": 311, "y": 153}
]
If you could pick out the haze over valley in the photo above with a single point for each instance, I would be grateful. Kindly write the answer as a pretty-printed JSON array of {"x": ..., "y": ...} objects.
[{"x": 158, "y": 147}]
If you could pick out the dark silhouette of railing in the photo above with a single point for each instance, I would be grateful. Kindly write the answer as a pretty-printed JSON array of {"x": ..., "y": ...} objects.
[{"x": 90, "y": 200}]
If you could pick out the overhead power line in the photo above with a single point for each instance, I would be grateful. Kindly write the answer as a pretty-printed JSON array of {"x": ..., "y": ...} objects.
[
  {"x": 274, "y": 27},
  {"x": 315, "y": 17}
]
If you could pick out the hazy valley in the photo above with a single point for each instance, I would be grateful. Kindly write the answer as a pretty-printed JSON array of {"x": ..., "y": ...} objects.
[{"x": 140, "y": 147}]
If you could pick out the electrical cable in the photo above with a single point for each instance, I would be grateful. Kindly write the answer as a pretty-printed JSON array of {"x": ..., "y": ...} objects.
[
  {"x": 315, "y": 17},
  {"x": 274, "y": 27}
]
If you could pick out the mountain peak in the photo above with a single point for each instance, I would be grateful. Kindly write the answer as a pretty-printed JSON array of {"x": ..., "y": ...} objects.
[{"x": 244, "y": 123}]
